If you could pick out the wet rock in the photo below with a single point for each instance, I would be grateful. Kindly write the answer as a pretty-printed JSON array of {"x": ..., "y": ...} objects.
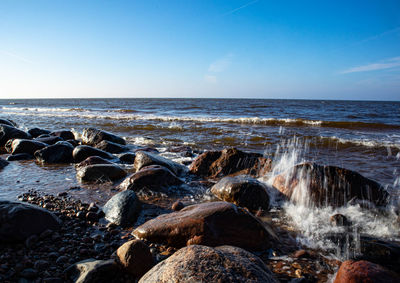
[
  {"x": 100, "y": 173},
  {"x": 93, "y": 160},
  {"x": 127, "y": 158},
  {"x": 144, "y": 159},
  {"x": 60, "y": 152},
  {"x": 147, "y": 149},
  {"x": 26, "y": 146},
  {"x": 49, "y": 140},
  {"x": 92, "y": 136},
  {"x": 364, "y": 271},
  {"x": 135, "y": 257},
  {"x": 82, "y": 152},
  {"x": 20, "y": 156},
  {"x": 154, "y": 177},
  {"x": 35, "y": 132},
  {"x": 184, "y": 151},
  {"x": 74, "y": 143},
  {"x": 176, "y": 206},
  {"x": 230, "y": 161},
  {"x": 111, "y": 147},
  {"x": 3, "y": 163},
  {"x": 91, "y": 271},
  {"x": 205, "y": 264},
  {"x": 8, "y": 123},
  {"x": 243, "y": 191},
  {"x": 29, "y": 273},
  {"x": 9, "y": 132},
  {"x": 122, "y": 209},
  {"x": 339, "y": 220},
  {"x": 328, "y": 185},
  {"x": 65, "y": 135},
  {"x": 211, "y": 224},
  {"x": 19, "y": 221}
]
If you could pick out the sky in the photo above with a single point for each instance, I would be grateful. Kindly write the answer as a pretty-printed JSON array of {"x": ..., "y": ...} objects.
[{"x": 233, "y": 49}]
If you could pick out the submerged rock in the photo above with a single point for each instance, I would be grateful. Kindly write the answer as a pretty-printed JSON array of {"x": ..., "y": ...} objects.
[
  {"x": 317, "y": 185},
  {"x": 3, "y": 163},
  {"x": 111, "y": 147},
  {"x": 20, "y": 220},
  {"x": 211, "y": 224},
  {"x": 91, "y": 271},
  {"x": 35, "y": 132},
  {"x": 243, "y": 191},
  {"x": 9, "y": 132},
  {"x": 364, "y": 271},
  {"x": 230, "y": 161},
  {"x": 154, "y": 177},
  {"x": 205, "y": 264},
  {"x": 135, "y": 257},
  {"x": 123, "y": 208},
  {"x": 100, "y": 172},
  {"x": 60, "y": 152},
  {"x": 143, "y": 159},
  {"x": 26, "y": 146},
  {"x": 92, "y": 136},
  {"x": 82, "y": 152}
]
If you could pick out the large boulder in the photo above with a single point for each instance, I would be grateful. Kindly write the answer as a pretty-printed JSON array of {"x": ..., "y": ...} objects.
[
  {"x": 60, "y": 152},
  {"x": 8, "y": 122},
  {"x": 35, "y": 132},
  {"x": 26, "y": 146},
  {"x": 242, "y": 191},
  {"x": 123, "y": 208},
  {"x": 92, "y": 136},
  {"x": 65, "y": 135},
  {"x": 3, "y": 163},
  {"x": 9, "y": 132},
  {"x": 82, "y": 152},
  {"x": 144, "y": 159},
  {"x": 100, "y": 173},
  {"x": 20, "y": 220},
  {"x": 211, "y": 224},
  {"x": 49, "y": 140},
  {"x": 153, "y": 177},
  {"x": 364, "y": 271},
  {"x": 94, "y": 271},
  {"x": 111, "y": 147},
  {"x": 230, "y": 161},
  {"x": 198, "y": 263},
  {"x": 311, "y": 184},
  {"x": 135, "y": 257}
]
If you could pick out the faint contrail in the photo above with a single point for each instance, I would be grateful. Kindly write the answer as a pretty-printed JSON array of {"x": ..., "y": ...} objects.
[
  {"x": 10, "y": 54},
  {"x": 241, "y": 7}
]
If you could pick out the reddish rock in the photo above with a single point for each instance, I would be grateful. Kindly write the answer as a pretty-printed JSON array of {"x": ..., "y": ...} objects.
[
  {"x": 211, "y": 224},
  {"x": 364, "y": 271},
  {"x": 328, "y": 185},
  {"x": 205, "y": 264},
  {"x": 176, "y": 206},
  {"x": 135, "y": 257}
]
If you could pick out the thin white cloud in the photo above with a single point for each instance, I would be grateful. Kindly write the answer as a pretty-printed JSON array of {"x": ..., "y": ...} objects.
[
  {"x": 210, "y": 79},
  {"x": 221, "y": 64},
  {"x": 387, "y": 64},
  {"x": 240, "y": 8},
  {"x": 16, "y": 56}
]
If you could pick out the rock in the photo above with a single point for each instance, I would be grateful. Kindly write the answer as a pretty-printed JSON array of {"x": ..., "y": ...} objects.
[
  {"x": 20, "y": 156},
  {"x": 92, "y": 160},
  {"x": 60, "y": 152},
  {"x": 230, "y": 161},
  {"x": 154, "y": 177},
  {"x": 82, "y": 152},
  {"x": 35, "y": 132},
  {"x": 364, "y": 271},
  {"x": 9, "y": 132},
  {"x": 311, "y": 184},
  {"x": 211, "y": 224},
  {"x": 176, "y": 206},
  {"x": 29, "y": 273},
  {"x": 49, "y": 140},
  {"x": 93, "y": 271},
  {"x": 92, "y": 136},
  {"x": 144, "y": 159},
  {"x": 20, "y": 220},
  {"x": 26, "y": 146},
  {"x": 100, "y": 172},
  {"x": 135, "y": 257},
  {"x": 243, "y": 191},
  {"x": 3, "y": 163},
  {"x": 74, "y": 143},
  {"x": 122, "y": 209},
  {"x": 111, "y": 147},
  {"x": 339, "y": 220},
  {"x": 205, "y": 264},
  {"x": 8, "y": 123},
  {"x": 184, "y": 151},
  {"x": 127, "y": 158},
  {"x": 65, "y": 135}
]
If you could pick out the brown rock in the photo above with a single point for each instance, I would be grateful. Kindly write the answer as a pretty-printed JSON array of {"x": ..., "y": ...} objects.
[
  {"x": 176, "y": 206},
  {"x": 328, "y": 185},
  {"x": 364, "y": 271},
  {"x": 135, "y": 257},
  {"x": 205, "y": 264},
  {"x": 211, "y": 224}
]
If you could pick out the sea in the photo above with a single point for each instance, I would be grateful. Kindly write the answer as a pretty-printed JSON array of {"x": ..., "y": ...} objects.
[{"x": 363, "y": 136}]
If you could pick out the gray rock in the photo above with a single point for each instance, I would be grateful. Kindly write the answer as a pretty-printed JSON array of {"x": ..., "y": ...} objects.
[
  {"x": 92, "y": 136},
  {"x": 93, "y": 271},
  {"x": 100, "y": 172},
  {"x": 123, "y": 208},
  {"x": 82, "y": 152}
]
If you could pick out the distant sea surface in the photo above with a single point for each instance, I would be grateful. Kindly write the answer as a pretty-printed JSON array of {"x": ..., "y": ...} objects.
[{"x": 358, "y": 135}]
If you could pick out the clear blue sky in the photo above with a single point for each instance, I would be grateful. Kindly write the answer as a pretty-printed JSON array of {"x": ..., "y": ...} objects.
[{"x": 235, "y": 48}]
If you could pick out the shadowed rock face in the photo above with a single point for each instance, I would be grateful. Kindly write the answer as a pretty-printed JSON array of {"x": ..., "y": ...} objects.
[
  {"x": 61, "y": 152},
  {"x": 316, "y": 185},
  {"x": 211, "y": 224},
  {"x": 144, "y": 159},
  {"x": 111, "y": 147},
  {"x": 26, "y": 146},
  {"x": 242, "y": 191},
  {"x": 8, "y": 122},
  {"x": 35, "y": 132},
  {"x": 65, "y": 135},
  {"x": 82, "y": 152},
  {"x": 49, "y": 140},
  {"x": 91, "y": 270},
  {"x": 8, "y": 132},
  {"x": 100, "y": 172},
  {"x": 364, "y": 271},
  {"x": 92, "y": 136},
  {"x": 205, "y": 264},
  {"x": 230, "y": 161}
]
